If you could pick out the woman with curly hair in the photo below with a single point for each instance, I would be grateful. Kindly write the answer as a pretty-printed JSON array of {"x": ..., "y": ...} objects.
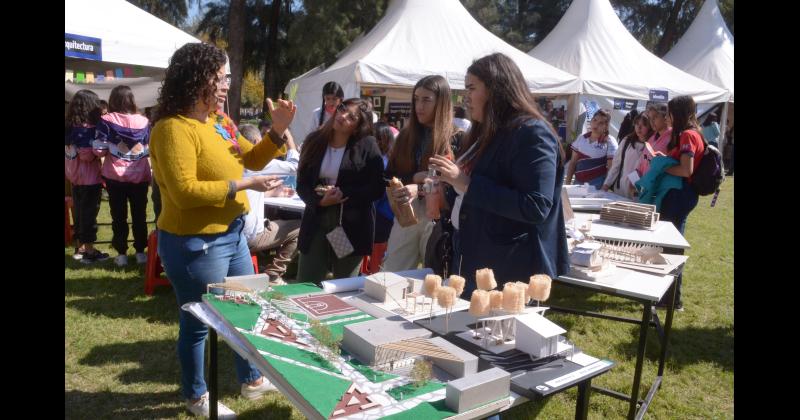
[{"x": 199, "y": 158}]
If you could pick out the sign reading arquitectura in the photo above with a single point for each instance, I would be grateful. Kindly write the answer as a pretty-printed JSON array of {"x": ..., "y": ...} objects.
[{"x": 82, "y": 47}]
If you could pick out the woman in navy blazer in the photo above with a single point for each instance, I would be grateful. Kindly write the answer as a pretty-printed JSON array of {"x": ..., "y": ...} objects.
[
  {"x": 508, "y": 177},
  {"x": 343, "y": 157}
]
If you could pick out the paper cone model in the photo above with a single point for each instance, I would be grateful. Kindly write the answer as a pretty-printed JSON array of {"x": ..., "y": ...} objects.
[
  {"x": 539, "y": 287},
  {"x": 479, "y": 303},
  {"x": 485, "y": 279}
]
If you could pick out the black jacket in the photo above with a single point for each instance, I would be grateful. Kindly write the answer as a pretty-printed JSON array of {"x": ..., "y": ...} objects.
[
  {"x": 361, "y": 181},
  {"x": 511, "y": 219}
]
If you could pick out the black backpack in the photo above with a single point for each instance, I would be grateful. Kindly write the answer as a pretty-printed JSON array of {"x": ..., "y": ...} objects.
[{"x": 709, "y": 175}]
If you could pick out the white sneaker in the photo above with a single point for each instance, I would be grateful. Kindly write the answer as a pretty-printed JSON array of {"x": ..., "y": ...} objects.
[
  {"x": 141, "y": 258},
  {"x": 257, "y": 391},
  {"x": 201, "y": 408},
  {"x": 121, "y": 260}
]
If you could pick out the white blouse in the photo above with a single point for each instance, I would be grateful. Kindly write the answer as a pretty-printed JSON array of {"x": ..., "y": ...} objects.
[{"x": 329, "y": 170}]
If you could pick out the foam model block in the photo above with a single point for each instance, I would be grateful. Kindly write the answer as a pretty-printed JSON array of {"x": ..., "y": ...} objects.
[
  {"x": 475, "y": 390},
  {"x": 467, "y": 366},
  {"x": 362, "y": 338}
]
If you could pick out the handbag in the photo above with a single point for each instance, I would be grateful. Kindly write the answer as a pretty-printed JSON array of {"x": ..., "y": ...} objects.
[
  {"x": 338, "y": 238},
  {"x": 439, "y": 249}
]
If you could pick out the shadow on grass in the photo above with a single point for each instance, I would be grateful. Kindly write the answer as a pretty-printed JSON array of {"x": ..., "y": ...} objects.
[
  {"x": 687, "y": 346},
  {"x": 157, "y": 360},
  {"x": 121, "y": 299},
  {"x": 120, "y": 405}
]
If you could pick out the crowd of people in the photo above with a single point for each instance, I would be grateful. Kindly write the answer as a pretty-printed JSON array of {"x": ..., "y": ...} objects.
[{"x": 492, "y": 181}]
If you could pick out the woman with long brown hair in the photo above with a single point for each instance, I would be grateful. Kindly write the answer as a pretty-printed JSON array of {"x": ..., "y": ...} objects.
[
  {"x": 339, "y": 176},
  {"x": 686, "y": 146},
  {"x": 429, "y": 132},
  {"x": 627, "y": 157},
  {"x": 508, "y": 176}
]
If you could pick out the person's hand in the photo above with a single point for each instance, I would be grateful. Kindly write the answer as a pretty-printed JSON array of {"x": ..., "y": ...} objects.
[
  {"x": 264, "y": 182},
  {"x": 658, "y": 153},
  {"x": 604, "y": 187},
  {"x": 632, "y": 191},
  {"x": 282, "y": 115},
  {"x": 332, "y": 196},
  {"x": 450, "y": 172},
  {"x": 419, "y": 177},
  {"x": 406, "y": 194}
]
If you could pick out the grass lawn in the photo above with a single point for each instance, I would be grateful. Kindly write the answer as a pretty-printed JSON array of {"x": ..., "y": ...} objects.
[{"x": 121, "y": 362}]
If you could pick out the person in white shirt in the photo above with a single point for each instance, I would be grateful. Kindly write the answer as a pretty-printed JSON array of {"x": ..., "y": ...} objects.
[
  {"x": 332, "y": 96},
  {"x": 592, "y": 152},
  {"x": 263, "y": 234},
  {"x": 627, "y": 158}
]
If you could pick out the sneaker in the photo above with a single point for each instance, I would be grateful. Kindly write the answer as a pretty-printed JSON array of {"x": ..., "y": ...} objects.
[
  {"x": 94, "y": 256},
  {"x": 121, "y": 260},
  {"x": 78, "y": 255},
  {"x": 276, "y": 281},
  {"x": 201, "y": 408},
  {"x": 141, "y": 258},
  {"x": 254, "y": 392}
]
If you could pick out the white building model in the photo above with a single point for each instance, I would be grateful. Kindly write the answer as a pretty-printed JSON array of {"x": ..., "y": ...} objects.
[
  {"x": 386, "y": 287},
  {"x": 537, "y": 336}
]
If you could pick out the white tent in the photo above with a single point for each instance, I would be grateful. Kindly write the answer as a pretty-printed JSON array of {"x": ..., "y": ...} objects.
[
  {"x": 591, "y": 42},
  {"x": 414, "y": 39},
  {"x": 706, "y": 49},
  {"x": 129, "y": 37}
]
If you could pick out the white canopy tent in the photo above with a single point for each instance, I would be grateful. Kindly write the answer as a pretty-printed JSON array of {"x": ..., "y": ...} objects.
[
  {"x": 591, "y": 42},
  {"x": 706, "y": 51},
  {"x": 129, "y": 37},
  {"x": 414, "y": 39}
]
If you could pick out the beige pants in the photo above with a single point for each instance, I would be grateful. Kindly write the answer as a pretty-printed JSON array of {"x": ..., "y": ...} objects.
[
  {"x": 281, "y": 234},
  {"x": 406, "y": 247}
]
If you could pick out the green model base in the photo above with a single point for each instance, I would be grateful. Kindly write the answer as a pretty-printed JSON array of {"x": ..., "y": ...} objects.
[
  {"x": 321, "y": 391},
  {"x": 242, "y": 316},
  {"x": 411, "y": 391},
  {"x": 289, "y": 352},
  {"x": 426, "y": 410},
  {"x": 374, "y": 376}
]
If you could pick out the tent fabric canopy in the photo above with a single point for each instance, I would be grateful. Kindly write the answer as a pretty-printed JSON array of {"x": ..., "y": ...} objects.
[
  {"x": 706, "y": 49},
  {"x": 129, "y": 34},
  {"x": 130, "y": 37},
  {"x": 414, "y": 39},
  {"x": 591, "y": 42}
]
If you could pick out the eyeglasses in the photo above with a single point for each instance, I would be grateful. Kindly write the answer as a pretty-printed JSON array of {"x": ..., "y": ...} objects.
[
  {"x": 226, "y": 80},
  {"x": 349, "y": 115}
]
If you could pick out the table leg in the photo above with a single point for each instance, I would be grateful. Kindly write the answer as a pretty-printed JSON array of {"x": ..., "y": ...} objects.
[
  {"x": 637, "y": 376},
  {"x": 582, "y": 405},
  {"x": 212, "y": 374},
  {"x": 667, "y": 328}
]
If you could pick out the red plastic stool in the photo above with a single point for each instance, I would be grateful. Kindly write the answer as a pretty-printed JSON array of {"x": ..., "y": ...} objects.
[
  {"x": 67, "y": 222},
  {"x": 372, "y": 264},
  {"x": 153, "y": 270},
  {"x": 254, "y": 257}
]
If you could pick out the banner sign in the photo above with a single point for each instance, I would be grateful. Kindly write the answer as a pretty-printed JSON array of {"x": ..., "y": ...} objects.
[
  {"x": 83, "y": 47},
  {"x": 625, "y": 104},
  {"x": 659, "y": 95}
]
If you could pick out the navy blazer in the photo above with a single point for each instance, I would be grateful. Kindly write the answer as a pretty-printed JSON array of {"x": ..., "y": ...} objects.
[
  {"x": 511, "y": 219},
  {"x": 361, "y": 181}
]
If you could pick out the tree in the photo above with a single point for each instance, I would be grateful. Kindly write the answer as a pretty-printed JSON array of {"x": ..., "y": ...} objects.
[
  {"x": 326, "y": 340},
  {"x": 252, "y": 89},
  {"x": 236, "y": 27},
  {"x": 171, "y": 11},
  {"x": 422, "y": 372}
]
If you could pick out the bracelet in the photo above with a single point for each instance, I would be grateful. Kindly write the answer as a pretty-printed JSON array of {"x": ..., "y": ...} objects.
[{"x": 231, "y": 190}]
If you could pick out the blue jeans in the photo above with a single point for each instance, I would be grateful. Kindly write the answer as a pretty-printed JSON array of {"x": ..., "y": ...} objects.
[
  {"x": 191, "y": 262},
  {"x": 675, "y": 208}
]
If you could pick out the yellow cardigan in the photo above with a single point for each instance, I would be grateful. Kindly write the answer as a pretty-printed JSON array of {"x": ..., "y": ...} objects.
[{"x": 192, "y": 164}]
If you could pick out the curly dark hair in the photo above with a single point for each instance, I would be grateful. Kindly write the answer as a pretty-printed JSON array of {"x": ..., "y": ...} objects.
[
  {"x": 83, "y": 108},
  {"x": 186, "y": 79}
]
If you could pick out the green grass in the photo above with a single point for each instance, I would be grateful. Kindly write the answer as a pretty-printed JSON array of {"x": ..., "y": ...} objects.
[
  {"x": 121, "y": 363},
  {"x": 374, "y": 376},
  {"x": 289, "y": 352}
]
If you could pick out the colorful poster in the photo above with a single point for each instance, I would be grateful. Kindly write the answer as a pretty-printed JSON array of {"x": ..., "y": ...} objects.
[
  {"x": 625, "y": 104},
  {"x": 68, "y": 75}
]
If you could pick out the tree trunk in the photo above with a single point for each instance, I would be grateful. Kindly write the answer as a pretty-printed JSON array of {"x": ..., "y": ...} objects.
[
  {"x": 271, "y": 54},
  {"x": 236, "y": 27},
  {"x": 670, "y": 29}
]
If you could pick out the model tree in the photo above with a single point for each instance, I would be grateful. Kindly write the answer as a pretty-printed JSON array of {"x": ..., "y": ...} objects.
[
  {"x": 422, "y": 372},
  {"x": 326, "y": 341}
]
